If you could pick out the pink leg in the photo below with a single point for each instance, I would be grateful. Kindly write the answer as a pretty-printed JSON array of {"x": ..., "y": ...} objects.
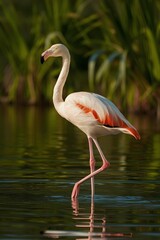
[
  {"x": 92, "y": 164},
  {"x": 102, "y": 168}
]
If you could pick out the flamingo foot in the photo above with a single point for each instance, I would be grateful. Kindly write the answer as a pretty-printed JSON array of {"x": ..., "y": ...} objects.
[{"x": 75, "y": 191}]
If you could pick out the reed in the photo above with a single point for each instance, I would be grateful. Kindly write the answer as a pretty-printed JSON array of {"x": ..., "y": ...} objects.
[
  {"x": 117, "y": 42},
  {"x": 129, "y": 64}
]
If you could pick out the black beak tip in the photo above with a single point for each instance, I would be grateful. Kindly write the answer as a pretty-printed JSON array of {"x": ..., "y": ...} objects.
[{"x": 42, "y": 59}]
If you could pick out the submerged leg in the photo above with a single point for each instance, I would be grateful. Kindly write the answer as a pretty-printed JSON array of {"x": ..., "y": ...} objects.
[{"x": 102, "y": 168}]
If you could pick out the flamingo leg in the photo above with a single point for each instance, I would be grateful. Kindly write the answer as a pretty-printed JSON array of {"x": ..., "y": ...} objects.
[
  {"x": 92, "y": 164},
  {"x": 105, "y": 164}
]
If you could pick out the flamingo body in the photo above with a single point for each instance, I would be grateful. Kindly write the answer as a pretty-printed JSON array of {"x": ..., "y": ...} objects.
[{"x": 94, "y": 114}]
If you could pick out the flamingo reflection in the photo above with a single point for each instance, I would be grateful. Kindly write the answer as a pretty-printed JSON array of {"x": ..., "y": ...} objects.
[
  {"x": 89, "y": 222},
  {"x": 96, "y": 225}
]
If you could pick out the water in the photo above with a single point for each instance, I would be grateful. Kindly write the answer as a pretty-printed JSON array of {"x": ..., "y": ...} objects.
[{"x": 42, "y": 156}]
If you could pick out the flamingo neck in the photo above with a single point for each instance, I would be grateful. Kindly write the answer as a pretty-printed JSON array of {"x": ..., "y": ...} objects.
[{"x": 58, "y": 88}]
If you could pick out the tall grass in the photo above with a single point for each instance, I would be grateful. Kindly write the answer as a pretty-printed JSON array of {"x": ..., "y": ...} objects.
[
  {"x": 22, "y": 42},
  {"x": 130, "y": 56},
  {"x": 118, "y": 40}
]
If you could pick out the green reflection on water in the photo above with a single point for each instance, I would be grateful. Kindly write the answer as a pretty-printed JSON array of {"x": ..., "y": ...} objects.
[{"x": 42, "y": 156}]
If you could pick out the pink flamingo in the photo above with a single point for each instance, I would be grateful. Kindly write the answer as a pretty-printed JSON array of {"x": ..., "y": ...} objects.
[{"x": 92, "y": 113}]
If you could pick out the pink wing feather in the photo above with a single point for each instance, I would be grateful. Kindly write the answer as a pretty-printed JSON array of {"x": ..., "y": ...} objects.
[{"x": 105, "y": 112}]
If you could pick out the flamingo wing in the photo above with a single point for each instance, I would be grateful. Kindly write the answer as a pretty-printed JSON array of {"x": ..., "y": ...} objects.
[
  {"x": 115, "y": 119},
  {"x": 90, "y": 110}
]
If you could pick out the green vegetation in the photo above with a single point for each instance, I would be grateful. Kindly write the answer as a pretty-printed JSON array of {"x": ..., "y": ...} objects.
[{"x": 116, "y": 42}]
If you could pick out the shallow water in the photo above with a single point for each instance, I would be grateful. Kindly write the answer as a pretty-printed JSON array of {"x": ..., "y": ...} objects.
[{"x": 42, "y": 156}]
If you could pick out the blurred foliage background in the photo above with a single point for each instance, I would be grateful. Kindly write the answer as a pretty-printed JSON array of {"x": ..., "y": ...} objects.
[{"x": 115, "y": 49}]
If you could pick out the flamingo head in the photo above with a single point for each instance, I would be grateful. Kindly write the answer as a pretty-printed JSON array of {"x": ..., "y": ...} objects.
[{"x": 56, "y": 50}]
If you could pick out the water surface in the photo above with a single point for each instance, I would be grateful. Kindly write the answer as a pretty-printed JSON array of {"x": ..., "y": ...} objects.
[{"x": 42, "y": 156}]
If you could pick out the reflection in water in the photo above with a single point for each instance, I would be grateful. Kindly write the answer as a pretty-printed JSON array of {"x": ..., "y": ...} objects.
[
  {"x": 41, "y": 157},
  {"x": 89, "y": 222},
  {"x": 92, "y": 226}
]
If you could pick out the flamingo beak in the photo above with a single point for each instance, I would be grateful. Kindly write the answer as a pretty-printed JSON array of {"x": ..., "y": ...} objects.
[
  {"x": 45, "y": 55},
  {"x": 42, "y": 59}
]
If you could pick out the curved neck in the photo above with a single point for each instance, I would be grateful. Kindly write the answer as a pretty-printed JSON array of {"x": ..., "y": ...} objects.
[{"x": 58, "y": 88}]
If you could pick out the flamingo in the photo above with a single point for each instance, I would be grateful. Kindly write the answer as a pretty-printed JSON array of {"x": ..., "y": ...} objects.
[{"x": 92, "y": 113}]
